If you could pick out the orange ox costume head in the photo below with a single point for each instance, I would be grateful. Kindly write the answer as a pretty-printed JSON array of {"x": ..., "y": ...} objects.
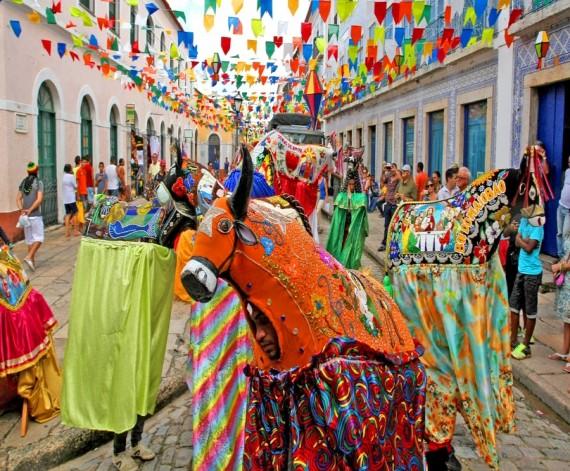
[{"x": 265, "y": 250}]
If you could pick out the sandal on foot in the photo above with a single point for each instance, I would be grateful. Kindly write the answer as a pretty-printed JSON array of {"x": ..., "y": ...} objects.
[
  {"x": 567, "y": 368},
  {"x": 558, "y": 356},
  {"x": 521, "y": 352}
]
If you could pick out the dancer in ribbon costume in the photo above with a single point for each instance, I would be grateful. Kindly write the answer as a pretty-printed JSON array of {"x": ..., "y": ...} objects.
[
  {"x": 452, "y": 290},
  {"x": 367, "y": 391},
  {"x": 349, "y": 225},
  {"x": 28, "y": 366}
]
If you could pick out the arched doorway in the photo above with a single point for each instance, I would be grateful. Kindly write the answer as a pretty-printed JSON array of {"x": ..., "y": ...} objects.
[
  {"x": 86, "y": 128},
  {"x": 47, "y": 153},
  {"x": 214, "y": 150}
]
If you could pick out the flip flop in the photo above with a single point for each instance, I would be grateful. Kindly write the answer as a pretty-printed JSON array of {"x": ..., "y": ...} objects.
[{"x": 558, "y": 356}]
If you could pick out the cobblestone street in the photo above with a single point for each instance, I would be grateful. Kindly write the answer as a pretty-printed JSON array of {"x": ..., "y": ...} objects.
[{"x": 538, "y": 444}]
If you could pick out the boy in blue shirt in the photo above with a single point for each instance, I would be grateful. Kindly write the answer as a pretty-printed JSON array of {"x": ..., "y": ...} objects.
[{"x": 525, "y": 290}]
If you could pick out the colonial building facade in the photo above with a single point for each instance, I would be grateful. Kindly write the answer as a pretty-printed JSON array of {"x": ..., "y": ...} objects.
[
  {"x": 480, "y": 108},
  {"x": 52, "y": 108}
]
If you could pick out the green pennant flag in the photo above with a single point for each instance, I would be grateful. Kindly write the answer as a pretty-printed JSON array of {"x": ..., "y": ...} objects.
[
  {"x": 50, "y": 17},
  {"x": 333, "y": 31},
  {"x": 239, "y": 81},
  {"x": 115, "y": 44},
  {"x": 225, "y": 65},
  {"x": 209, "y": 4},
  {"x": 353, "y": 53},
  {"x": 269, "y": 48},
  {"x": 427, "y": 13},
  {"x": 344, "y": 8},
  {"x": 180, "y": 14}
]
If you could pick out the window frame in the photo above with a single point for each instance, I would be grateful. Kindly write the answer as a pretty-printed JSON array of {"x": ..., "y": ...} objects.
[{"x": 116, "y": 5}]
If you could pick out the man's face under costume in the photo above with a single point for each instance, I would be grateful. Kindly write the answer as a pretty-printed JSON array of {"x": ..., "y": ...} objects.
[{"x": 264, "y": 332}]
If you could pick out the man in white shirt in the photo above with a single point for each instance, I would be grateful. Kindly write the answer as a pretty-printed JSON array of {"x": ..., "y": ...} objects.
[
  {"x": 463, "y": 178},
  {"x": 154, "y": 167},
  {"x": 112, "y": 178},
  {"x": 450, "y": 187}
]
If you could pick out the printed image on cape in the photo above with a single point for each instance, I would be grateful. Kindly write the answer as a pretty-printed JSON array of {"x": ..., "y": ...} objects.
[{"x": 449, "y": 283}]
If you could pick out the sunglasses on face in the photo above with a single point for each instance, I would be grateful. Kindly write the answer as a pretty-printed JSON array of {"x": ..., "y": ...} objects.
[{"x": 429, "y": 184}]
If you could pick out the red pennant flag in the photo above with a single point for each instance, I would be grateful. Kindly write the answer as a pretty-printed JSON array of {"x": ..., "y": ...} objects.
[
  {"x": 135, "y": 47},
  {"x": 46, "y": 43},
  {"x": 102, "y": 22},
  {"x": 278, "y": 41},
  {"x": 447, "y": 34},
  {"x": 332, "y": 51},
  {"x": 396, "y": 14},
  {"x": 74, "y": 56},
  {"x": 447, "y": 14},
  {"x": 406, "y": 10},
  {"x": 294, "y": 64},
  {"x": 372, "y": 51},
  {"x": 455, "y": 42},
  {"x": 417, "y": 34},
  {"x": 56, "y": 7},
  {"x": 509, "y": 38},
  {"x": 324, "y": 9},
  {"x": 355, "y": 33},
  {"x": 263, "y": 79},
  {"x": 380, "y": 11},
  {"x": 226, "y": 44},
  {"x": 441, "y": 55},
  {"x": 87, "y": 60},
  {"x": 194, "y": 63},
  {"x": 369, "y": 63},
  {"x": 306, "y": 31},
  {"x": 515, "y": 15}
]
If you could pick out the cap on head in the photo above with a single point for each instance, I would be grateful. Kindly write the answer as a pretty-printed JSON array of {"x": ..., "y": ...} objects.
[
  {"x": 406, "y": 168},
  {"x": 32, "y": 167}
]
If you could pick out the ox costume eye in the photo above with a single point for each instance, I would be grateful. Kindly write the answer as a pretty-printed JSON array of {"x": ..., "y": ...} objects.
[{"x": 224, "y": 226}]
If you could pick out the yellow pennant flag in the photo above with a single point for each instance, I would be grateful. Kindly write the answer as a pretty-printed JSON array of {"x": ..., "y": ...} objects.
[
  {"x": 174, "y": 51},
  {"x": 257, "y": 27},
  {"x": 208, "y": 22},
  {"x": 428, "y": 49},
  {"x": 251, "y": 79},
  {"x": 503, "y": 4},
  {"x": 379, "y": 34},
  {"x": 133, "y": 3},
  {"x": 237, "y": 5},
  {"x": 77, "y": 40},
  {"x": 252, "y": 45},
  {"x": 321, "y": 44},
  {"x": 487, "y": 36},
  {"x": 293, "y": 6},
  {"x": 35, "y": 17},
  {"x": 345, "y": 8},
  {"x": 470, "y": 15}
]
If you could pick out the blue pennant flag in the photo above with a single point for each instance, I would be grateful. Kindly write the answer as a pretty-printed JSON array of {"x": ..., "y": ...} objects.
[
  {"x": 93, "y": 41},
  {"x": 61, "y": 47},
  {"x": 265, "y": 6},
  {"x": 494, "y": 16},
  {"x": 480, "y": 6},
  {"x": 16, "y": 27},
  {"x": 233, "y": 22},
  {"x": 307, "y": 52},
  {"x": 186, "y": 38},
  {"x": 151, "y": 8},
  {"x": 192, "y": 52},
  {"x": 399, "y": 35},
  {"x": 466, "y": 36}
]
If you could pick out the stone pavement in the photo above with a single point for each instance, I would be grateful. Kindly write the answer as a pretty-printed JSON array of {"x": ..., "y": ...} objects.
[
  {"x": 53, "y": 443},
  {"x": 543, "y": 377}
]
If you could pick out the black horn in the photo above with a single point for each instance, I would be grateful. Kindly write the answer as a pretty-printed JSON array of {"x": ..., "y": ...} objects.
[{"x": 240, "y": 198}]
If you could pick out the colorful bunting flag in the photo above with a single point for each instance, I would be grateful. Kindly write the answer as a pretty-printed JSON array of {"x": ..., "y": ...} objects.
[
  {"x": 46, "y": 44},
  {"x": 252, "y": 45},
  {"x": 226, "y": 44},
  {"x": 344, "y": 8},
  {"x": 269, "y": 48},
  {"x": 470, "y": 16},
  {"x": 307, "y": 52},
  {"x": 324, "y": 9},
  {"x": 237, "y": 5},
  {"x": 306, "y": 31},
  {"x": 356, "y": 33},
  {"x": 50, "y": 17},
  {"x": 293, "y": 6},
  {"x": 257, "y": 27},
  {"x": 278, "y": 41},
  {"x": 418, "y": 10},
  {"x": 265, "y": 6},
  {"x": 208, "y": 22},
  {"x": 150, "y": 7},
  {"x": 380, "y": 11},
  {"x": 320, "y": 44},
  {"x": 494, "y": 16},
  {"x": 16, "y": 27},
  {"x": 333, "y": 31},
  {"x": 61, "y": 48}
]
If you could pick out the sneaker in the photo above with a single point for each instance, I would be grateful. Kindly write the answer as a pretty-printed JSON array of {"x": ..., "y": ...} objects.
[
  {"x": 142, "y": 453},
  {"x": 521, "y": 352},
  {"x": 382, "y": 248},
  {"x": 30, "y": 264},
  {"x": 124, "y": 462}
]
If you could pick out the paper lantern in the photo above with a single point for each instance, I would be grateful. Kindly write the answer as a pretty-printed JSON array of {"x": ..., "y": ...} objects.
[{"x": 541, "y": 46}]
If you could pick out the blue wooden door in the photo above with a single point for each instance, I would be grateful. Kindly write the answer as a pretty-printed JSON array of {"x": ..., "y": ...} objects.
[
  {"x": 551, "y": 117},
  {"x": 435, "y": 160}
]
